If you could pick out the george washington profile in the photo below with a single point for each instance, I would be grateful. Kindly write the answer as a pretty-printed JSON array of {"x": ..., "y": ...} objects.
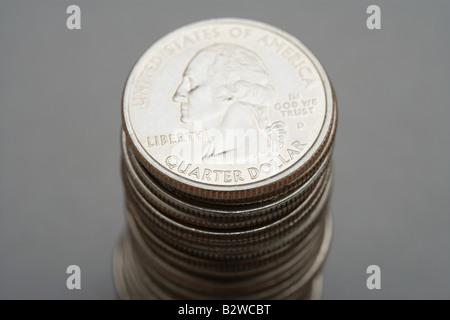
[{"x": 226, "y": 87}]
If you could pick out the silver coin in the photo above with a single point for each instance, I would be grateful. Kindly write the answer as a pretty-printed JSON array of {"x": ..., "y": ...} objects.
[
  {"x": 224, "y": 107},
  {"x": 170, "y": 289},
  {"x": 198, "y": 239}
]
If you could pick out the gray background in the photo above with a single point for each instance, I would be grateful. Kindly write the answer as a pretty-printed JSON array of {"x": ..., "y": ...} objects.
[{"x": 61, "y": 200}]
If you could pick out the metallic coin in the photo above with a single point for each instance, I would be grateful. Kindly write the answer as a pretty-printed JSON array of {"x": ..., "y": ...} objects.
[
  {"x": 150, "y": 284},
  {"x": 227, "y": 108},
  {"x": 271, "y": 280},
  {"x": 232, "y": 258},
  {"x": 201, "y": 240}
]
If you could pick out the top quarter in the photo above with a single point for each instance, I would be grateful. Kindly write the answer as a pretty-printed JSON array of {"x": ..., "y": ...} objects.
[{"x": 226, "y": 107}]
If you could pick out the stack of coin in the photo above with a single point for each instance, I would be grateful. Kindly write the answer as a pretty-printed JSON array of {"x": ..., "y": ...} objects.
[{"x": 228, "y": 131}]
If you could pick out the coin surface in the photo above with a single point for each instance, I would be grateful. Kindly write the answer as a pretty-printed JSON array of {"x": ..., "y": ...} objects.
[{"x": 226, "y": 106}]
